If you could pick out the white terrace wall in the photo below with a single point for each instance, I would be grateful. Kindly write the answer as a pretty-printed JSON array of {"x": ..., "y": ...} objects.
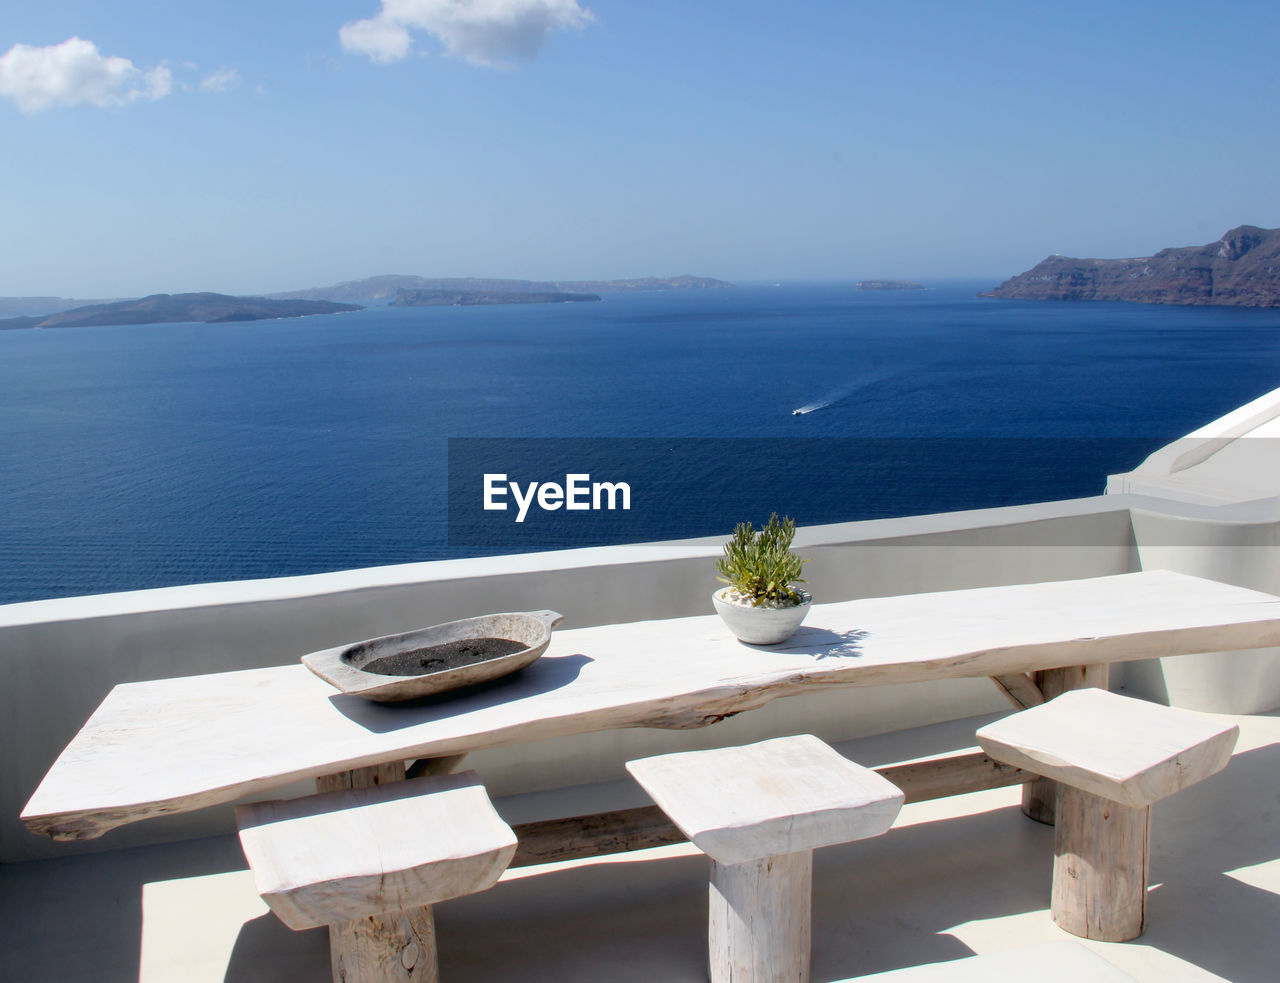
[
  {"x": 61, "y": 657},
  {"x": 1241, "y": 551},
  {"x": 1212, "y": 510}
]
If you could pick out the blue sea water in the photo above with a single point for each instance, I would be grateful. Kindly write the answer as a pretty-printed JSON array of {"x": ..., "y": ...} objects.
[{"x": 141, "y": 456}]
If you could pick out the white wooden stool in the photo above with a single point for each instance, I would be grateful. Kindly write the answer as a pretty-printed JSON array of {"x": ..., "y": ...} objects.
[
  {"x": 1055, "y": 962},
  {"x": 1114, "y": 756},
  {"x": 369, "y": 862},
  {"x": 759, "y": 812}
]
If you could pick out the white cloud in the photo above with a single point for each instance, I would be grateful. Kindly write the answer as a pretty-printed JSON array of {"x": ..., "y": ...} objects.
[
  {"x": 223, "y": 80},
  {"x": 484, "y": 32},
  {"x": 379, "y": 38},
  {"x": 74, "y": 73}
]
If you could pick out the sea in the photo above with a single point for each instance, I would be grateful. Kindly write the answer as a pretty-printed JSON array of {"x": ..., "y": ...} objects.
[{"x": 152, "y": 455}]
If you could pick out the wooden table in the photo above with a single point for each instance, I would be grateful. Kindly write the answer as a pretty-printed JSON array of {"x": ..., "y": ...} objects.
[{"x": 176, "y": 745}]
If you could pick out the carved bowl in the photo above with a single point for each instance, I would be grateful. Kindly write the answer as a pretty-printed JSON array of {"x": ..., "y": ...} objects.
[{"x": 436, "y": 659}]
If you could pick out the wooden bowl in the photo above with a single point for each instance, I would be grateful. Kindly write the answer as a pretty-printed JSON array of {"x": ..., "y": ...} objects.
[{"x": 432, "y": 660}]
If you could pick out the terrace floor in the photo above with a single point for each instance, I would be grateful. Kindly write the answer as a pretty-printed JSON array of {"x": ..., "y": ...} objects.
[{"x": 954, "y": 877}]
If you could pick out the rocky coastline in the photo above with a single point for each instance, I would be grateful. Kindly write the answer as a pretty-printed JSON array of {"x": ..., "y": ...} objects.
[{"x": 1242, "y": 269}]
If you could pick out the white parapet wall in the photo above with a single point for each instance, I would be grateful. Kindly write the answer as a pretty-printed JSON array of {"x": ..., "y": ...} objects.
[{"x": 1209, "y": 505}]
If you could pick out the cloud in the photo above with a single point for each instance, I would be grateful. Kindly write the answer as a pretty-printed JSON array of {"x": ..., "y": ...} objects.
[
  {"x": 223, "y": 80},
  {"x": 494, "y": 33},
  {"x": 379, "y": 38},
  {"x": 74, "y": 73}
]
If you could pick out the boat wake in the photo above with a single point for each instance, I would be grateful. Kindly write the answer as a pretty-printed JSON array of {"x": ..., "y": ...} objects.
[{"x": 839, "y": 395}]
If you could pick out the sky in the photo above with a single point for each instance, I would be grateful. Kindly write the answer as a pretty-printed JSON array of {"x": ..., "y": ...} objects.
[{"x": 255, "y": 147}]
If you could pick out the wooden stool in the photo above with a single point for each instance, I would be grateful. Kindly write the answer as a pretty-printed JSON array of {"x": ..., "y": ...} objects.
[
  {"x": 368, "y": 862},
  {"x": 1055, "y": 962},
  {"x": 759, "y": 812},
  {"x": 1114, "y": 756}
]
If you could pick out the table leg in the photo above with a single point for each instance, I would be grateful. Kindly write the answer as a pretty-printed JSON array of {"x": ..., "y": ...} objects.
[
  {"x": 1040, "y": 797},
  {"x": 390, "y": 771}
]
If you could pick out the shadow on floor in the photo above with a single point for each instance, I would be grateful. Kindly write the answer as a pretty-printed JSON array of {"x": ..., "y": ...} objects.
[
  {"x": 268, "y": 951},
  {"x": 932, "y": 889},
  {"x": 80, "y": 918}
]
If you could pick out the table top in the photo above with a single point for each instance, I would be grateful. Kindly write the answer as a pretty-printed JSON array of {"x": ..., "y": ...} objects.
[{"x": 175, "y": 745}]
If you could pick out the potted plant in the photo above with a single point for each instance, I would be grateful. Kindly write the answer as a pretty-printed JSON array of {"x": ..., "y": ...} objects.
[{"x": 761, "y": 605}]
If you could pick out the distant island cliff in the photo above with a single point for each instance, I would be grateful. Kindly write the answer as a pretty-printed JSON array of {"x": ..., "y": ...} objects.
[
  {"x": 469, "y": 298},
  {"x": 1242, "y": 269},
  {"x": 175, "y": 308}
]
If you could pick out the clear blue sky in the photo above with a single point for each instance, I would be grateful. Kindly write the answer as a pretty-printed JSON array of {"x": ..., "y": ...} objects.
[{"x": 250, "y": 147}]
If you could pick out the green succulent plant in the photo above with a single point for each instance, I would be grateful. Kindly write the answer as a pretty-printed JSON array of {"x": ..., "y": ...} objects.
[{"x": 760, "y": 566}]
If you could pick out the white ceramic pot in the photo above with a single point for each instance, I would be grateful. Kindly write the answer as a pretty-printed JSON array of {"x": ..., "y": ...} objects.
[{"x": 762, "y": 625}]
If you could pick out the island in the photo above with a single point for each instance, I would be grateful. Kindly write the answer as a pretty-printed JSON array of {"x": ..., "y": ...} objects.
[
  {"x": 646, "y": 284},
  {"x": 468, "y": 298},
  {"x": 1242, "y": 269},
  {"x": 385, "y": 288},
  {"x": 350, "y": 295},
  {"x": 210, "y": 308},
  {"x": 889, "y": 285}
]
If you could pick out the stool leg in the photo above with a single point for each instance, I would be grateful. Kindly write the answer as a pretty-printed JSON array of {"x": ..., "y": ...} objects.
[
  {"x": 759, "y": 924},
  {"x": 1101, "y": 852},
  {"x": 395, "y": 947}
]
